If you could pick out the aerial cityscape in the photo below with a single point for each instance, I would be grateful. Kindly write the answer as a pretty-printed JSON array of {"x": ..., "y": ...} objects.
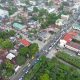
[{"x": 39, "y": 39}]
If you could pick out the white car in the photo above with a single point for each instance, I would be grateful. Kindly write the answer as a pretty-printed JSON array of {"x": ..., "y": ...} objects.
[
  {"x": 20, "y": 78},
  {"x": 50, "y": 48},
  {"x": 38, "y": 59},
  {"x": 26, "y": 72},
  {"x": 78, "y": 54}
]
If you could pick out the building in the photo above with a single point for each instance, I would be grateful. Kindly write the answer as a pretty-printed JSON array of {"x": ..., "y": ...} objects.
[
  {"x": 76, "y": 26},
  {"x": 67, "y": 38},
  {"x": 14, "y": 51},
  {"x": 24, "y": 42},
  {"x": 62, "y": 43},
  {"x": 65, "y": 17},
  {"x": 3, "y": 14},
  {"x": 18, "y": 26},
  {"x": 67, "y": 42},
  {"x": 73, "y": 46},
  {"x": 59, "y": 22},
  {"x": 10, "y": 56},
  {"x": 43, "y": 36},
  {"x": 57, "y": 1}
]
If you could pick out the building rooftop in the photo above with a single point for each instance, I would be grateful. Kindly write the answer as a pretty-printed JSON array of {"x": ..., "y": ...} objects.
[
  {"x": 25, "y": 42},
  {"x": 69, "y": 36},
  {"x": 18, "y": 26},
  {"x": 10, "y": 56},
  {"x": 76, "y": 26},
  {"x": 74, "y": 45}
]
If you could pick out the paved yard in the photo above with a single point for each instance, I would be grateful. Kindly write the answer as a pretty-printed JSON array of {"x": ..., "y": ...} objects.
[{"x": 51, "y": 54}]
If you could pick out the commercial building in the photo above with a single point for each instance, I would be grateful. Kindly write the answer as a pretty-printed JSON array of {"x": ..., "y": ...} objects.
[
  {"x": 67, "y": 39},
  {"x": 67, "y": 42}
]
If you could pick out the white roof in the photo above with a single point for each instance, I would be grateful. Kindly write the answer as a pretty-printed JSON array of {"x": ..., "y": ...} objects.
[
  {"x": 17, "y": 68},
  {"x": 62, "y": 43},
  {"x": 3, "y": 12},
  {"x": 10, "y": 56},
  {"x": 59, "y": 22}
]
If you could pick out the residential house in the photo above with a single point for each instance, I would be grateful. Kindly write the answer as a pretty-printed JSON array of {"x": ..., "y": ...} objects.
[
  {"x": 59, "y": 22},
  {"x": 24, "y": 42},
  {"x": 10, "y": 56}
]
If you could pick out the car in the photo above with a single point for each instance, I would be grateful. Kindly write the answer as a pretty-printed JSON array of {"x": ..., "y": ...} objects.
[
  {"x": 50, "y": 47},
  {"x": 37, "y": 59},
  {"x": 26, "y": 71},
  {"x": 54, "y": 43},
  {"x": 21, "y": 78},
  {"x": 78, "y": 54}
]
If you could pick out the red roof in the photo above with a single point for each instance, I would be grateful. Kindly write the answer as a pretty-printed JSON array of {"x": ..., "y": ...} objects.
[
  {"x": 25, "y": 42},
  {"x": 68, "y": 38}
]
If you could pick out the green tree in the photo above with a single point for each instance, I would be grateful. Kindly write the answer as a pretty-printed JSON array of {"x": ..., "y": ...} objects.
[
  {"x": 12, "y": 33},
  {"x": 1, "y": 40},
  {"x": 44, "y": 77},
  {"x": 7, "y": 44},
  {"x": 9, "y": 65},
  {"x": 33, "y": 48},
  {"x": 35, "y": 9},
  {"x": 24, "y": 51},
  {"x": 20, "y": 60}
]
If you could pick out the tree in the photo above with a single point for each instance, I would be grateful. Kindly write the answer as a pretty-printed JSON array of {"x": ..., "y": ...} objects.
[
  {"x": 44, "y": 77},
  {"x": 7, "y": 44},
  {"x": 34, "y": 48},
  {"x": 12, "y": 33},
  {"x": 9, "y": 65},
  {"x": 20, "y": 60},
  {"x": 24, "y": 51},
  {"x": 35, "y": 9},
  {"x": 1, "y": 40}
]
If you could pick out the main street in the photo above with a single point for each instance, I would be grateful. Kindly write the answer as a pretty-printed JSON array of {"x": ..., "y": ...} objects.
[{"x": 45, "y": 50}]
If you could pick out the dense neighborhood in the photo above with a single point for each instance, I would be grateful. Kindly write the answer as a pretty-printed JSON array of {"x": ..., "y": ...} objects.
[{"x": 39, "y": 39}]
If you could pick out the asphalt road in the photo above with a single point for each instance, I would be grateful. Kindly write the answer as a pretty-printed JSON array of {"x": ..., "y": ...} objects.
[{"x": 53, "y": 41}]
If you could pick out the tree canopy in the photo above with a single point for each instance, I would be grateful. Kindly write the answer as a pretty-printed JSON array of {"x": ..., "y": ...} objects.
[
  {"x": 20, "y": 60},
  {"x": 24, "y": 51},
  {"x": 44, "y": 77},
  {"x": 7, "y": 44},
  {"x": 34, "y": 48}
]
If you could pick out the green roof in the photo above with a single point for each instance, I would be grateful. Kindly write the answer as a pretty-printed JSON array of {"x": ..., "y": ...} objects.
[
  {"x": 76, "y": 26},
  {"x": 18, "y": 26}
]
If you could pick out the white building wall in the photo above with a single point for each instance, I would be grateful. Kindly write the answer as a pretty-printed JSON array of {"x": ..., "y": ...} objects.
[{"x": 72, "y": 48}]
